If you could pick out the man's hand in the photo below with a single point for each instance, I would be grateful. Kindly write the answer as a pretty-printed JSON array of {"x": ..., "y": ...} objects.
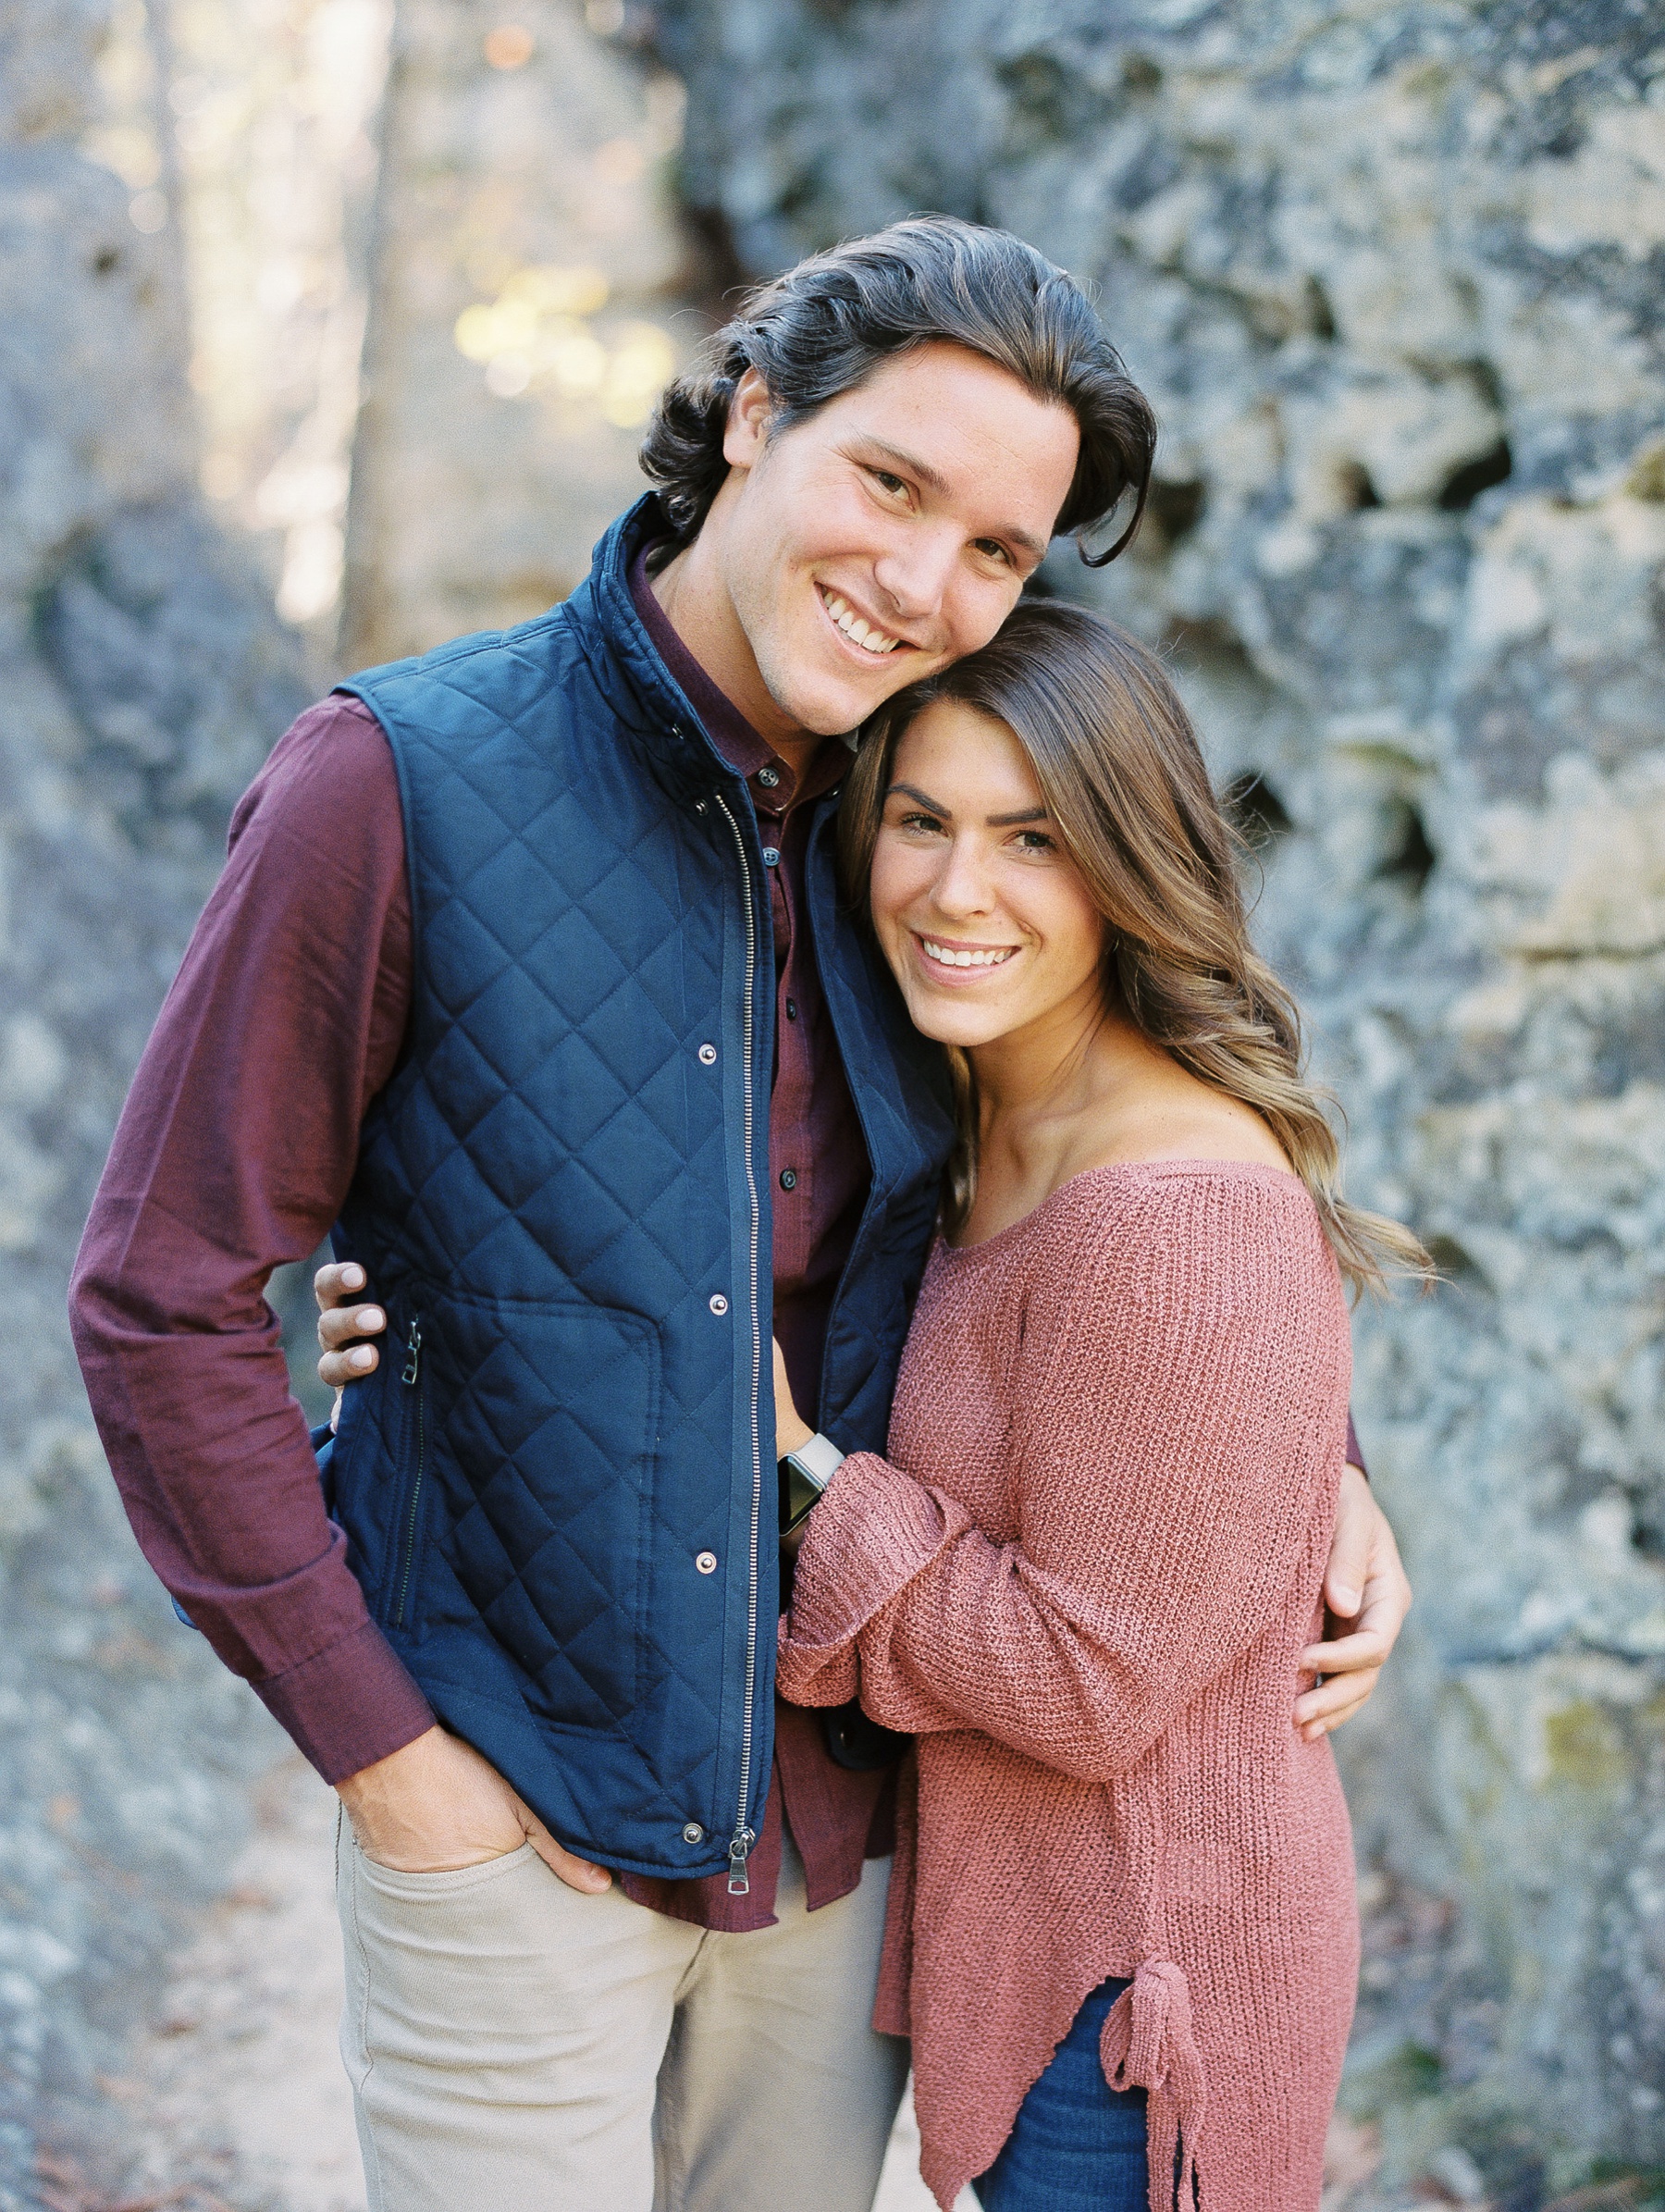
[
  {"x": 344, "y": 1320},
  {"x": 437, "y": 1806},
  {"x": 1366, "y": 1597}
]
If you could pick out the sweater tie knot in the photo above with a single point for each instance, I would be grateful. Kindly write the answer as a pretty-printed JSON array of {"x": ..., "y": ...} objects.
[{"x": 1147, "y": 2043}]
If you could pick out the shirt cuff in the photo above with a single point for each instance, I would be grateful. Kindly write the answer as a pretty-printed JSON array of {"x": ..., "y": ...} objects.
[
  {"x": 348, "y": 1706},
  {"x": 1355, "y": 1456}
]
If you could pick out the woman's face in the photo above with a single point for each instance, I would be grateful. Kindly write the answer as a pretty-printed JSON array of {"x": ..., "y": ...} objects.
[{"x": 982, "y": 917}]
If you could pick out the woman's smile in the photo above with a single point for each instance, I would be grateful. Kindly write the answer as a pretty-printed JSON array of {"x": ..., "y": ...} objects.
[{"x": 959, "y": 962}]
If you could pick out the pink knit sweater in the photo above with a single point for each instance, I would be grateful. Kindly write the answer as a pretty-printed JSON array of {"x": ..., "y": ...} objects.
[{"x": 1083, "y": 1578}]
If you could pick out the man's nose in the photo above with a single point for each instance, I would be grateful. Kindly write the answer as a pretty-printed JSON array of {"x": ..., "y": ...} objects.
[{"x": 914, "y": 574}]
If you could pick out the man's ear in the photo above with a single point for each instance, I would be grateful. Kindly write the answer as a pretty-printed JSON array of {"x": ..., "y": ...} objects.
[{"x": 748, "y": 429}]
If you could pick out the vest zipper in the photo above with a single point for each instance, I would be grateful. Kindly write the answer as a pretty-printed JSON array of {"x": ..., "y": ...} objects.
[
  {"x": 741, "y": 1842},
  {"x": 411, "y": 1378}
]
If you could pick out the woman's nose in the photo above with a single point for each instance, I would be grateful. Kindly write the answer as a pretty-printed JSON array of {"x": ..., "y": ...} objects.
[{"x": 963, "y": 886}]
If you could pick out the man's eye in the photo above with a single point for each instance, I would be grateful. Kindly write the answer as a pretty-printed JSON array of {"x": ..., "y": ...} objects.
[
  {"x": 886, "y": 482},
  {"x": 991, "y": 550}
]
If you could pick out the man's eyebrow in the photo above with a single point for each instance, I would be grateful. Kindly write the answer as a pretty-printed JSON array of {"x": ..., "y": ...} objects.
[{"x": 938, "y": 483}]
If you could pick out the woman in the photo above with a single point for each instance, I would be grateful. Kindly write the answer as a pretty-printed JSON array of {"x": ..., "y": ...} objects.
[{"x": 1122, "y": 1931}]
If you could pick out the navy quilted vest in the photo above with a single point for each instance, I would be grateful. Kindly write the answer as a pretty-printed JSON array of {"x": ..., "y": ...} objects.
[{"x": 559, "y": 1489}]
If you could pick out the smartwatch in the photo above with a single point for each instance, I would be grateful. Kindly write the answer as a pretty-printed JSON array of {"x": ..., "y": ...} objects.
[{"x": 805, "y": 1473}]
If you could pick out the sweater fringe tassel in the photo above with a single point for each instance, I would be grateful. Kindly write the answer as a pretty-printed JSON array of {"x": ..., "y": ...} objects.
[{"x": 1147, "y": 2043}]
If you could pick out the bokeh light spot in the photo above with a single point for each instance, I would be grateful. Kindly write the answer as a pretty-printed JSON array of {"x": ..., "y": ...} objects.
[
  {"x": 619, "y": 161},
  {"x": 148, "y": 212},
  {"x": 509, "y": 46}
]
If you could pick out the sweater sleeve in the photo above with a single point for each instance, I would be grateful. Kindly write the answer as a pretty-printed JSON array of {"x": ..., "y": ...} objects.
[{"x": 1176, "y": 1422}]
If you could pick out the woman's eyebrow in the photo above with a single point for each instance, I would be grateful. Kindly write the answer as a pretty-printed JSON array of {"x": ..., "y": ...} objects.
[
  {"x": 993, "y": 822},
  {"x": 912, "y": 791}
]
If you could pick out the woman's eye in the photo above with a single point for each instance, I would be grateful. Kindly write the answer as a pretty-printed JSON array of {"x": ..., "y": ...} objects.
[
  {"x": 1035, "y": 841},
  {"x": 927, "y": 822}
]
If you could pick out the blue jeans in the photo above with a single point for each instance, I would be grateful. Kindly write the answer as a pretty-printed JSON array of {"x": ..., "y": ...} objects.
[{"x": 1077, "y": 2144}]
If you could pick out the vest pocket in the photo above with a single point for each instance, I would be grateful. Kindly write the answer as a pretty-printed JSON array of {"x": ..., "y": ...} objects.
[
  {"x": 398, "y": 1610},
  {"x": 545, "y": 1426}
]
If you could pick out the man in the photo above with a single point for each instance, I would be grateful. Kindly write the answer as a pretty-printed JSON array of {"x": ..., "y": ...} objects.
[{"x": 528, "y": 971}]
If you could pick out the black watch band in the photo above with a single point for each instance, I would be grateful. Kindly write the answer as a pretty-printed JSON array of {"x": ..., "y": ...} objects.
[{"x": 805, "y": 1473}]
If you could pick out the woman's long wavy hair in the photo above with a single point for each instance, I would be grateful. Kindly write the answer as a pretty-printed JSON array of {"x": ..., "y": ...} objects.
[{"x": 1123, "y": 777}]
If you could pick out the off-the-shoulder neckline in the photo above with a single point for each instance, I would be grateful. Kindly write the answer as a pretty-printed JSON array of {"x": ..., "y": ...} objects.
[{"x": 1257, "y": 1169}]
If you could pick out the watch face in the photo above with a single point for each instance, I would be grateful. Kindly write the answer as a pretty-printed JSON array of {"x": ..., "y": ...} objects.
[{"x": 798, "y": 1493}]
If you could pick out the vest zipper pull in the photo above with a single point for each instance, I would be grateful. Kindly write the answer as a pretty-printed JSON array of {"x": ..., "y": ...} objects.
[
  {"x": 740, "y": 1845},
  {"x": 413, "y": 1365}
]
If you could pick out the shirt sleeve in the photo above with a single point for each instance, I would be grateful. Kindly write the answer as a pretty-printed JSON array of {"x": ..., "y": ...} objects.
[
  {"x": 1162, "y": 1526},
  {"x": 233, "y": 1153}
]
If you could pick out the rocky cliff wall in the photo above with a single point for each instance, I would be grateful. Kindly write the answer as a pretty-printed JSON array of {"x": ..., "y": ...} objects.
[
  {"x": 143, "y": 676},
  {"x": 1393, "y": 274}
]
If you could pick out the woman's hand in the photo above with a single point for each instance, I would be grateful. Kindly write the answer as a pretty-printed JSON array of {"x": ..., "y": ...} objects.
[
  {"x": 344, "y": 1319},
  {"x": 790, "y": 1429},
  {"x": 1366, "y": 1597}
]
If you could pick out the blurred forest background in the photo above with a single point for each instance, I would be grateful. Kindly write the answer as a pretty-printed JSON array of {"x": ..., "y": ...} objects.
[{"x": 330, "y": 327}]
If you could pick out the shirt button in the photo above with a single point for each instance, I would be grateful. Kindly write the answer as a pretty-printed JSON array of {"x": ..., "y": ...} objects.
[
  {"x": 719, "y": 1304},
  {"x": 707, "y": 1056},
  {"x": 693, "y": 1833},
  {"x": 706, "y": 1562},
  {"x": 792, "y": 1009},
  {"x": 768, "y": 777},
  {"x": 789, "y": 1179},
  {"x": 772, "y": 858}
]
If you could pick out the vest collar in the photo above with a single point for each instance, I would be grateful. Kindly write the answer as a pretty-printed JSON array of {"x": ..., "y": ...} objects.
[{"x": 627, "y": 664}]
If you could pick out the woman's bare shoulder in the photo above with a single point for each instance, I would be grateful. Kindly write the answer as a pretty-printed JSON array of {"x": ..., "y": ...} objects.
[{"x": 1190, "y": 1122}]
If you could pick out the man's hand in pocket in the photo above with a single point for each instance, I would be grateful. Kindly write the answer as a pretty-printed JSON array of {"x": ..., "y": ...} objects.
[{"x": 437, "y": 1805}]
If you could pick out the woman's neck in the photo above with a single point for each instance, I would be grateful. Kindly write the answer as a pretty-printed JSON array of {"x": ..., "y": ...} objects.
[
  {"x": 1086, "y": 1088},
  {"x": 1050, "y": 1094}
]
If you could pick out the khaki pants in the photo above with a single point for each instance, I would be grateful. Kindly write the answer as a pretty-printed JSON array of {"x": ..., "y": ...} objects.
[{"x": 515, "y": 2046}]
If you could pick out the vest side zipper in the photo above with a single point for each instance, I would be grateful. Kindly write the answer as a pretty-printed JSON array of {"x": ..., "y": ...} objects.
[
  {"x": 412, "y": 1379},
  {"x": 741, "y": 1842}
]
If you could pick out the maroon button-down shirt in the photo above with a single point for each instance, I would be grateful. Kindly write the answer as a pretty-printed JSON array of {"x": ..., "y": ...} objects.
[{"x": 234, "y": 1150}]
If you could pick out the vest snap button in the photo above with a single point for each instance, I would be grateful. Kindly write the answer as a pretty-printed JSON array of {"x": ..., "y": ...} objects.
[
  {"x": 706, "y": 1562},
  {"x": 707, "y": 1056},
  {"x": 693, "y": 1833},
  {"x": 719, "y": 1304}
]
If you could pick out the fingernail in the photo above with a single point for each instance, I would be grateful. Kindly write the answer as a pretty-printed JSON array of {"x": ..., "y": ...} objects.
[
  {"x": 362, "y": 1358},
  {"x": 1347, "y": 1599},
  {"x": 369, "y": 1317},
  {"x": 351, "y": 1277}
]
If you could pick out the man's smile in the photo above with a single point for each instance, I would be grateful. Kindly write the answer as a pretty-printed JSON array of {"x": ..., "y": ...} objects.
[{"x": 855, "y": 628}]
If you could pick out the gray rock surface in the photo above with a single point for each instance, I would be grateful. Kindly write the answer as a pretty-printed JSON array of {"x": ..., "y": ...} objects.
[
  {"x": 143, "y": 676},
  {"x": 1393, "y": 274}
]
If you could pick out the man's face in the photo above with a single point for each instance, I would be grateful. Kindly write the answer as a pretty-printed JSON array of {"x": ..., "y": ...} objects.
[{"x": 909, "y": 511}]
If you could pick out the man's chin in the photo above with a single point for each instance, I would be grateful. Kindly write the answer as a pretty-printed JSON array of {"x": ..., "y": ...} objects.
[{"x": 832, "y": 707}]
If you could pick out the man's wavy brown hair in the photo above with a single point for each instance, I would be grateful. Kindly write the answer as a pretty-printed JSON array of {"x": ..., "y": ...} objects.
[
  {"x": 824, "y": 327},
  {"x": 1124, "y": 780}
]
